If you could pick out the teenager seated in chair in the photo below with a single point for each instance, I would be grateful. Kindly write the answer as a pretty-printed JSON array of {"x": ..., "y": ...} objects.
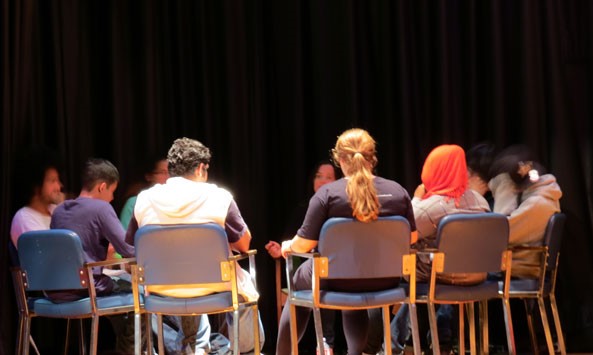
[
  {"x": 187, "y": 198},
  {"x": 92, "y": 217},
  {"x": 529, "y": 197},
  {"x": 361, "y": 195},
  {"x": 444, "y": 191},
  {"x": 323, "y": 173}
]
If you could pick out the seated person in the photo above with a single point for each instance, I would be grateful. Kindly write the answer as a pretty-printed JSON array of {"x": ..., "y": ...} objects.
[
  {"x": 187, "y": 198},
  {"x": 529, "y": 197},
  {"x": 361, "y": 195}
]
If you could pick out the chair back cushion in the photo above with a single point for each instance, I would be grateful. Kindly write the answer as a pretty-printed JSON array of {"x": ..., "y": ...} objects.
[
  {"x": 473, "y": 243},
  {"x": 553, "y": 237},
  {"x": 357, "y": 250},
  {"x": 52, "y": 259},
  {"x": 181, "y": 254}
]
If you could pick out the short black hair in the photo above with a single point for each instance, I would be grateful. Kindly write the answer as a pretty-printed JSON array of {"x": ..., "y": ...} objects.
[
  {"x": 479, "y": 159},
  {"x": 185, "y": 155},
  {"x": 98, "y": 170}
]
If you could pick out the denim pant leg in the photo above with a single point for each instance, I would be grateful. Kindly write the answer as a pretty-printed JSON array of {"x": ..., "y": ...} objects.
[
  {"x": 123, "y": 327},
  {"x": 445, "y": 316},
  {"x": 400, "y": 328},
  {"x": 174, "y": 337},
  {"x": 246, "y": 331}
]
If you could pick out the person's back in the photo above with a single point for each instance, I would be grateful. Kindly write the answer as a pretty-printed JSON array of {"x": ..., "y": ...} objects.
[{"x": 529, "y": 198}]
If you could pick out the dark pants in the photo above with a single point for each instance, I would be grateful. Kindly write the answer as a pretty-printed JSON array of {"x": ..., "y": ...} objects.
[{"x": 355, "y": 322}]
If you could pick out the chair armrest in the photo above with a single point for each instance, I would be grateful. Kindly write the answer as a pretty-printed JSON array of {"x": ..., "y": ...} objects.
[
  {"x": 111, "y": 262},
  {"x": 244, "y": 255}
]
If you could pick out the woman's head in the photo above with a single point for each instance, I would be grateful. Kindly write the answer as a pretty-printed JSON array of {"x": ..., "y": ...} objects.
[
  {"x": 445, "y": 172},
  {"x": 324, "y": 173},
  {"x": 519, "y": 163},
  {"x": 355, "y": 153}
]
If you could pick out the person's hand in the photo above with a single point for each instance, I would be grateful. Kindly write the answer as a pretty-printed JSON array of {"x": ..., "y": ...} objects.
[
  {"x": 420, "y": 191},
  {"x": 286, "y": 247},
  {"x": 274, "y": 249}
]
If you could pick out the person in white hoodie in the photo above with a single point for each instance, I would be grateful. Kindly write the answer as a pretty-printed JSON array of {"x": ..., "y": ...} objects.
[
  {"x": 187, "y": 197},
  {"x": 529, "y": 197}
]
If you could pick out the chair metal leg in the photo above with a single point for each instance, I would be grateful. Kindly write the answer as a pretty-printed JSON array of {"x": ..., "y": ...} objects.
[
  {"x": 415, "y": 335},
  {"x": 318, "y": 330},
  {"x": 294, "y": 339},
  {"x": 21, "y": 332},
  {"x": 434, "y": 333},
  {"x": 94, "y": 334},
  {"x": 508, "y": 320},
  {"x": 529, "y": 317},
  {"x": 235, "y": 342},
  {"x": 82, "y": 339},
  {"x": 483, "y": 320},
  {"x": 461, "y": 330},
  {"x": 137, "y": 333},
  {"x": 26, "y": 334},
  {"x": 546, "y": 324},
  {"x": 472, "y": 328},
  {"x": 386, "y": 329},
  {"x": 557, "y": 325},
  {"x": 34, "y": 345},
  {"x": 256, "y": 340},
  {"x": 148, "y": 330},
  {"x": 159, "y": 325}
]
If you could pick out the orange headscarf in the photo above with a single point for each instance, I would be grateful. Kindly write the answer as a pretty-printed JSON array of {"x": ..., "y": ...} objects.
[{"x": 445, "y": 172}]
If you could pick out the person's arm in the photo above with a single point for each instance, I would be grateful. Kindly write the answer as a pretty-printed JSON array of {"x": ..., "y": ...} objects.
[
  {"x": 242, "y": 245},
  {"x": 114, "y": 233},
  {"x": 298, "y": 245},
  {"x": 131, "y": 232}
]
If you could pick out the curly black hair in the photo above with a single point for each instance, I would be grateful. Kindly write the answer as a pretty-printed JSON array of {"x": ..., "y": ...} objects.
[{"x": 185, "y": 155}]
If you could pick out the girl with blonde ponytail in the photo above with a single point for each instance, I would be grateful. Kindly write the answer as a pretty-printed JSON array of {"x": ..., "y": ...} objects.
[{"x": 362, "y": 195}]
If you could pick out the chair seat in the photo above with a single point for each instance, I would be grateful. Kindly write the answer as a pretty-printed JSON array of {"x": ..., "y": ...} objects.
[
  {"x": 198, "y": 305},
  {"x": 457, "y": 293},
  {"x": 528, "y": 286},
  {"x": 359, "y": 300},
  {"x": 46, "y": 308}
]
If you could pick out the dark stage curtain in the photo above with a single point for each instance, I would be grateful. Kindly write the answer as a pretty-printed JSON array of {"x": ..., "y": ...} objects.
[{"x": 268, "y": 85}]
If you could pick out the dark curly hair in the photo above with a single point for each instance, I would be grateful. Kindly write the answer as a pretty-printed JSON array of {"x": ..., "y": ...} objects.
[{"x": 185, "y": 155}]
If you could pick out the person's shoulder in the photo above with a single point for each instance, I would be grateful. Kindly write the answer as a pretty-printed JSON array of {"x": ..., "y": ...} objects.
[{"x": 390, "y": 184}]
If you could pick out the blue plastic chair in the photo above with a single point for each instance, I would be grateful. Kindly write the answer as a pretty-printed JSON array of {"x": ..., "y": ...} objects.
[
  {"x": 545, "y": 285},
  {"x": 189, "y": 254},
  {"x": 470, "y": 243},
  {"x": 52, "y": 260},
  {"x": 349, "y": 249}
]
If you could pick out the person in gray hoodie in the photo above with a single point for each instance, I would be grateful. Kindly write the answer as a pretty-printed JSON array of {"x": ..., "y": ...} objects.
[{"x": 529, "y": 197}]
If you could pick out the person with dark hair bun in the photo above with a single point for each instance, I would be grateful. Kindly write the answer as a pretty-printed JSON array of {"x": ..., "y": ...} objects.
[
  {"x": 479, "y": 159},
  {"x": 529, "y": 197}
]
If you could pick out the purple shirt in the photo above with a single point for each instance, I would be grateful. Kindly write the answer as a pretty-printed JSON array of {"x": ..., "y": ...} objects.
[{"x": 97, "y": 225}]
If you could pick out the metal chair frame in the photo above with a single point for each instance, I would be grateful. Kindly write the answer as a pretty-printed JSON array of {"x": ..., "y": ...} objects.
[
  {"x": 151, "y": 269},
  {"x": 435, "y": 290},
  {"x": 545, "y": 285},
  {"x": 25, "y": 280},
  {"x": 322, "y": 269}
]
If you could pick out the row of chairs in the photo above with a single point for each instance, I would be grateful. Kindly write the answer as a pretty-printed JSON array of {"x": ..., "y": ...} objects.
[
  {"x": 52, "y": 260},
  {"x": 467, "y": 243}
]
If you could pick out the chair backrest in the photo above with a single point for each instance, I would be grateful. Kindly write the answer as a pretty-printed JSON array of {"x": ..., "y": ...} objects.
[
  {"x": 364, "y": 250},
  {"x": 52, "y": 259},
  {"x": 181, "y": 254},
  {"x": 553, "y": 237},
  {"x": 473, "y": 242},
  {"x": 13, "y": 254}
]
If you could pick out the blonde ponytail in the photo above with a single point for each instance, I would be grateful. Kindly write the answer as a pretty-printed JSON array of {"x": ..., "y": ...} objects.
[{"x": 356, "y": 149}]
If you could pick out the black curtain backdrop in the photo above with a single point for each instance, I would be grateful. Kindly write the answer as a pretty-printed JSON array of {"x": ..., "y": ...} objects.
[{"x": 268, "y": 85}]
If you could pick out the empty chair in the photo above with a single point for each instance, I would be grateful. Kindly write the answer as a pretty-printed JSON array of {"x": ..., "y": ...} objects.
[
  {"x": 52, "y": 260},
  {"x": 470, "y": 243},
  {"x": 186, "y": 255},
  {"x": 349, "y": 249},
  {"x": 544, "y": 286}
]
